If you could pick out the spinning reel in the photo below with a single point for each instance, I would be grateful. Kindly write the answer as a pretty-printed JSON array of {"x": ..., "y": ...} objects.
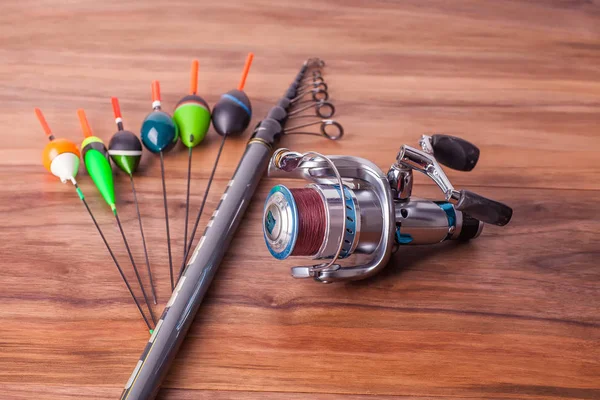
[{"x": 376, "y": 212}]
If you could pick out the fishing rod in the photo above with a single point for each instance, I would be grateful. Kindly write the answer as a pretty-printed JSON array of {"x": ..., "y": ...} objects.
[
  {"x": 61, "y": 158},
  {"x": 197, "y": 276}
]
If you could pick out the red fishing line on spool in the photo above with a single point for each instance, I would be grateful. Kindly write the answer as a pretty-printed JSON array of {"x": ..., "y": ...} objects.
[{"x": 311, "y": 222}]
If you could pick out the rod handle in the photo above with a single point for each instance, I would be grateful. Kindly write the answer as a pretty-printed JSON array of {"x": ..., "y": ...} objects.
[{"x": 483, "y": 209}]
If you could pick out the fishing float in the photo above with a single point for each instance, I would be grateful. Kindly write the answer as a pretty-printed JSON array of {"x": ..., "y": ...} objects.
[
  {"x": 192, "y": 117},
  {"x": 125, "y": 150},
  {"x": 159, "y": 135},
  {"x": 230, "y": 117},
  {"x": 95, "y": 158},
  {"x": 61, "y": 158}
]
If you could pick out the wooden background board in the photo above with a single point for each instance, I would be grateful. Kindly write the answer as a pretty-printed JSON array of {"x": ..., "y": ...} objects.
[{"x": 514, "y": 314}]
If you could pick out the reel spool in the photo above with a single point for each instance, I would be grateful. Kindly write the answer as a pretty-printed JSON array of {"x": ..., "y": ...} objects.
[
  {"x": 307, "y": 222},
  {"x": 376, "y": 213}
]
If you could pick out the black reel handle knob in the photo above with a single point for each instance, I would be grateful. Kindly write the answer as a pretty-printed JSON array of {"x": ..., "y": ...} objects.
[
  {"x": 454, "y": 152},
  {"x": 483, "y": 209}
]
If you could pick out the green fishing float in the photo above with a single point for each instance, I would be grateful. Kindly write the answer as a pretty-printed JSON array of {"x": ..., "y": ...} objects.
[
  {"x": 192, "y": 116},
  {"x": 96, "y": 160},
  {"x": 192, "y": 113},
  {"x": 95, "y": 157}
]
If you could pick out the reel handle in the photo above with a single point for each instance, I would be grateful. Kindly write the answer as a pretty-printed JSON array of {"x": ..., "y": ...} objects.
[
  {"x": 483, "y": 209},
  {"x": 454, "y": 152}
]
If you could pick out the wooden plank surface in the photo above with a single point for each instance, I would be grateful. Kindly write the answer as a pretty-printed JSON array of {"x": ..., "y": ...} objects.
[{"x": 514, "y": 314}]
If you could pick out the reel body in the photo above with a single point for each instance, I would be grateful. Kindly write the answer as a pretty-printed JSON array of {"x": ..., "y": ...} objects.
[{"x": 377, "y": 212}]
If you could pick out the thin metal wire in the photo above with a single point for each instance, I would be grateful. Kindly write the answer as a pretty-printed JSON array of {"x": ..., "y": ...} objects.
[
  {"x": 137, "y": 274},
  {"x": 317, "y": 95},
  {"x": 323, "y": 128},
  {"x": 210, "y": 179},
  {"x": 112, "y": 255},
  {"x": 164, "y": 185},
  {"x": 137, "y": 208},
  {"x": 318, "y": 106},
  {"x": 314, "y": 85}
]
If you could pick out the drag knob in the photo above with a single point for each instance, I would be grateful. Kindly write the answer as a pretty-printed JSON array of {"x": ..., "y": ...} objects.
[{"x": 454, "y": 152}]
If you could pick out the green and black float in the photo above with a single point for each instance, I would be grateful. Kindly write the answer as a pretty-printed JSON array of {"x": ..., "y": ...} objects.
[{"x": 125, "y": 150}]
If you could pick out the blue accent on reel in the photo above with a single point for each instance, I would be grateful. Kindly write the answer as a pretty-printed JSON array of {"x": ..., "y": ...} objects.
[
  {"x": 350, "y": 225},
  {"x": 402, "y": 238},
  {"x": 238, "y": 102},
  {"x": 270, "y": 223},
  {"x": 450, "y": 214}
]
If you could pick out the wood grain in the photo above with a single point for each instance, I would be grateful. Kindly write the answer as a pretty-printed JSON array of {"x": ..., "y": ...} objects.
[{"x": 512, "y": 315}]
